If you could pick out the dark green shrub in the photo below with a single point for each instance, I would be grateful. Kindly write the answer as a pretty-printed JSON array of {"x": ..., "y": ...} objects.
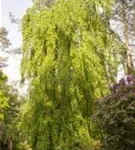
[{"x": 116, "y": 116}]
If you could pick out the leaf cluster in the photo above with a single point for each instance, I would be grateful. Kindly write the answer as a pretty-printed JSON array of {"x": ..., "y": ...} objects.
[
  {"x": 68, "y": 56},
  {"x": 9, "y": 110},
  {"x": 116, "y": 116}
]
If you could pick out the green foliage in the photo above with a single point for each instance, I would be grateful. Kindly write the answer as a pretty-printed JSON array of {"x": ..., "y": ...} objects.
[
  {"x": 9, "y": 109},
  {"x": 3, "y": 98},
  {"x": 4, "y": 41},
  {"x": 69, "y": 55},
  {"x": 116, "y": 117}
]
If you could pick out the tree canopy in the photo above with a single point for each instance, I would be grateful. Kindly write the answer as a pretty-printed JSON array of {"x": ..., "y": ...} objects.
[{"x": 69, "y": 56}]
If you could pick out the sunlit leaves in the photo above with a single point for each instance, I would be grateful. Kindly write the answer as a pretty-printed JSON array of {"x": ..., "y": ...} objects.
[{"x": 67, "y": 51}]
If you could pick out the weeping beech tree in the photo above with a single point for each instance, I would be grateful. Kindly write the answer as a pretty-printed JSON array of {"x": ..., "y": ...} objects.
[{"x": 69, "y": 55}]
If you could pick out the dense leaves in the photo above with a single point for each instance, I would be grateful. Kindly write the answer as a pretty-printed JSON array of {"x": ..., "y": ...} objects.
[
  {"x": 116, "y": 116},
  {"x": 9, "y": 104},
  {"x": 9, "y": 109},
  {"x": 68, "y": 56}
]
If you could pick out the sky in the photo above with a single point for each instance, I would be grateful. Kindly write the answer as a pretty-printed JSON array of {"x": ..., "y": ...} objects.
[{"x": 18, "y": 8}]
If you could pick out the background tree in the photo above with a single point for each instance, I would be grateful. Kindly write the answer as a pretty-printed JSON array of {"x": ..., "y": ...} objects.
[
  {"x": 9, "y": 104},
  {"x": 9, "y": 109},
  {"x": 124, "y": 16},
  {"x": 4, "y": 43}
]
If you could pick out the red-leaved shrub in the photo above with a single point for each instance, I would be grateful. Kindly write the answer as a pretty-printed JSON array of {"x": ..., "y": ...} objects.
[{"x": 116, "y": 116}]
